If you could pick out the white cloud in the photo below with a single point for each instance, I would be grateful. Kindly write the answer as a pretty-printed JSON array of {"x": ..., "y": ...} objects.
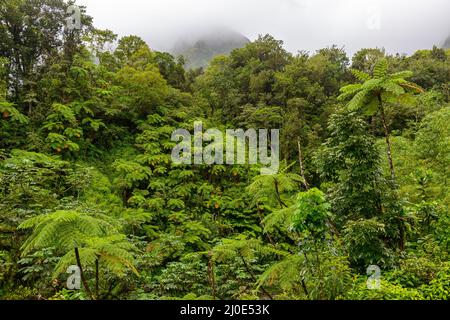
[{"x": 402, "y": 25}]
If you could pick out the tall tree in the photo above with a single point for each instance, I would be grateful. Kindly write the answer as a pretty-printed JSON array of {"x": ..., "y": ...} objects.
[
  {"x": 32, "y": 32},
  {"x": 376, "y": 92}
]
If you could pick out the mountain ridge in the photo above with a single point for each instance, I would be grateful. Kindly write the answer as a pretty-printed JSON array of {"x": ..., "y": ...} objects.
[
  {"x": 446, "y": 44},
  {"x": 199, "y": 49}
]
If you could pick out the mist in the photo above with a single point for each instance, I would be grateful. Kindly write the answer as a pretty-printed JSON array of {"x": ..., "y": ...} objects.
[{"x": 399, "y": 26}]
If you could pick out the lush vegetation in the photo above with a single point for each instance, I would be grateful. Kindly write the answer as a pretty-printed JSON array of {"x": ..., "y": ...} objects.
[{"x": 86, "y": 176}]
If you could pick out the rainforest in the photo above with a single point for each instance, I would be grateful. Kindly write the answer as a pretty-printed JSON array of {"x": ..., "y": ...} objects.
[{"x": 92, "y": 206}]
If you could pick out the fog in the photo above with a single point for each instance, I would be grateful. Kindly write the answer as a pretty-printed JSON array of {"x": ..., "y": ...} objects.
[{"x": 400, "y": 26}]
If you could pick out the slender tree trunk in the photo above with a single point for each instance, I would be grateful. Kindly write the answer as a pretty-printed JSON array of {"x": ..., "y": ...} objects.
[
  {"x": 319, "y": 267},
  {"x": 303, "y": 280},
  {"x": 386, "y": 135},
  {"x": 96, "y": 278},
  {"x": 83, "y": 279},
  {"x": 373, "y": 125},
  {"x": 391, "y": 166},
  {"x": 302, "y": 165},
  {"x": 305, "y": 289},
  {"x": 254, "y": 278},
  {"x": 277, "y": 193},
  {"x": 402, "y": 235},
  {"x": 261, "y": 218},
  {"x": 212, "y": 276}
]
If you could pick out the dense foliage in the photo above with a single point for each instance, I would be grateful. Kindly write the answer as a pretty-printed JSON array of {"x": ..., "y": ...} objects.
[{"x": 86, "y": 176}]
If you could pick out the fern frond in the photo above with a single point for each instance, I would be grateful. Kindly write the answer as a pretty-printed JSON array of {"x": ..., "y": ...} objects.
[
  {"x": 380, "y": 69},
  {"x": 358, "y": 100},
  {"x": 372, "y": 84},
  {"x": 282, "y": 219},
  {"x": 402, "y": 75},
  {"x": 412, "y": 87},
  {"x": 64, "y": 229},
  {"x": 349, "y": 91},
  {"x": 285, "y": 273},
  {"x": 361, "y": 76},
  {"x": 393, "y": 88},
  {"x": 371, "y": 108}
]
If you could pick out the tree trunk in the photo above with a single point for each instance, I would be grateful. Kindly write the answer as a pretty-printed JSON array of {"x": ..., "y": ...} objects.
[
  {"x": 277, "y": 194},
  {"x": 302, "y": 166},
  {"x": 250, "y": 272},
  {"x": 319, "y": 269},
  {"x": 83, "y": 279},
  {"x": 96, "y": 278},
  {"x": 305, "y": 289},
  {"x": 212, "y": 276},
  {"x": 391, "y": 165},
  {"x": 386, "y": 135}
]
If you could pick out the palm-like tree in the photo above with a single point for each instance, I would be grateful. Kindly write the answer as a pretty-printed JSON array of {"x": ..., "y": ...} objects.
[
  {"x": 375, "y": 92},
  {"x": 83, "y": 238},
  {"x": 271, "y": 188}
]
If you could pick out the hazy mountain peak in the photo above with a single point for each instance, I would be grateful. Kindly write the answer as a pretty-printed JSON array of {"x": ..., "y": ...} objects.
[
  {"x": 200, "y": 47},
  {"x": 446, "y": 44}
]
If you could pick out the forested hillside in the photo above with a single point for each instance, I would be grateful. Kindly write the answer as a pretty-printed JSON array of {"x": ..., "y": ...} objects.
[{"x": 87, "y": 180}]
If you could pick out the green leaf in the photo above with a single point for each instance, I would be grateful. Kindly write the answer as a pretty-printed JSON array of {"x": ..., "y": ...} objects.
[{"x": 380, "y": 69}]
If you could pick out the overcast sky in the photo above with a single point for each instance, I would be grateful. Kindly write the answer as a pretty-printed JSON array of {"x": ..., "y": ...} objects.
[{"x": 401, "y": 26}]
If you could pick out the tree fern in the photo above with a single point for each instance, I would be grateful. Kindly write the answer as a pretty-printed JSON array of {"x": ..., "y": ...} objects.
[
  {"x": 86, "y": 239},
  {"x": 286, "y": 274},
  {"x": 381, "y": 88},
  {"x": 272, "y": 189},
  {"x": 114, "y": 252},
  {"x": 64, "y": 229},
  {"x": 279, "y": 219}
]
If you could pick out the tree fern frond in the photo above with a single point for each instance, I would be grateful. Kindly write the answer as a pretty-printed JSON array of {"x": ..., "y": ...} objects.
[
  {"x": 372, "y": 84},
  {"x": 393, "y": 88},
  {"x": 402, "y": 75},
  {"x": 361, "y": 76},
  {"x": 282, "y": 218},
  {"x": 412, "y": 87},
  {"x": 358, "y": 100},
  {"x": 64, "y": 229},
  {"x": 380, "y": 69},
  {"x": 286, "y": 273},
  {"x": 349, "y": 91},
  {"x": 371, "y": 108}
]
